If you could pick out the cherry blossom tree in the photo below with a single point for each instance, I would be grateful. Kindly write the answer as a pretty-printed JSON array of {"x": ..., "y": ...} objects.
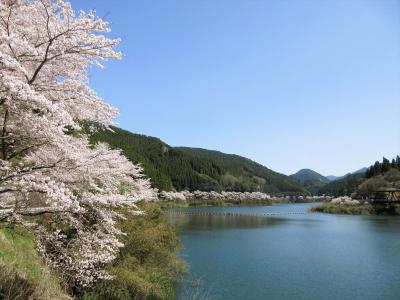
[
  {"x": 212, "y": 195},
  {"x": 47, "y": 165}
]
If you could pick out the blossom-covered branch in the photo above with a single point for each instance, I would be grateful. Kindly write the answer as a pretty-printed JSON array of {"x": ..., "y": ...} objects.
[{"x": 46, "y": 162}]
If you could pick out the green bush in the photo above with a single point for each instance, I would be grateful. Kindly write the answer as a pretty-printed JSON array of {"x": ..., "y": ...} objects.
[{"x": 147, "y": 266}]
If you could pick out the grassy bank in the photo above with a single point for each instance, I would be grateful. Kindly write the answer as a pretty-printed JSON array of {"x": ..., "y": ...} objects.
[
  {"x": 146, "y": 268},
  {"x": 22, "y": 273},
  {"x": 393, "y": 210}
]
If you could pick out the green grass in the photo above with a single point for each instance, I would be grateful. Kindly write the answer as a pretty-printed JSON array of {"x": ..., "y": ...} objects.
[
  {"x": 146, "y": 268},
  {"x": 344, "y": 209},
  {"x": 18, "y": 255}
]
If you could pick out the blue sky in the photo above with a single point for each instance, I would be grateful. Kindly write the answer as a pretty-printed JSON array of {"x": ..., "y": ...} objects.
[{"x": 290, "y": 84}]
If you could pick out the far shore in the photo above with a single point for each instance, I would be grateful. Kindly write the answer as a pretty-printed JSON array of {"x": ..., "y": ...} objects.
[
  {"x": 361, "y": 209},
  {"x": 250, "y": 202}
]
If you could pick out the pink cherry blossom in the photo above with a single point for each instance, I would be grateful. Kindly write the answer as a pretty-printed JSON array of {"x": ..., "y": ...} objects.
[{"x": 46, "y": 163}]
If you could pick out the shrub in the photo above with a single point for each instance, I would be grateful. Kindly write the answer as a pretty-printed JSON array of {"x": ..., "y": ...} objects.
[
  {"x": 13, "y": 286},
  {"x": 147, "y": 266}
]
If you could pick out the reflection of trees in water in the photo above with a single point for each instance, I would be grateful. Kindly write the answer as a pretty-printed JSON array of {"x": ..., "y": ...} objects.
[
  {"x": 222, "y": 222},
  {"x": 383, "y": 223}
]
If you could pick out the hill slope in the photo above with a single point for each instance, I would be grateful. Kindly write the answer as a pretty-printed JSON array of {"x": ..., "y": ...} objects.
[
  {"x": 343, "y": 186},
  {"x": 311, "y": 180},
  {"x": 359, "y": 171},
  {"x": 332, "y": 177},
  {"x": 243, "y": 174},
  {"x": 195, "y": 169},
  {"x": 305, "y": 175}
]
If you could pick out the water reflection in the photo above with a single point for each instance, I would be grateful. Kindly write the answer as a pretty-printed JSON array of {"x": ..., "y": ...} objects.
[
  {"x": 383, "y": 223},
  {"x": 214, "y": 222},
  {"x": 219, "y": 222}
]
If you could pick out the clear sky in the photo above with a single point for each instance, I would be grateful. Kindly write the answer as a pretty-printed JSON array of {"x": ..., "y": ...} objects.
[{"x": 290, "y": 84}]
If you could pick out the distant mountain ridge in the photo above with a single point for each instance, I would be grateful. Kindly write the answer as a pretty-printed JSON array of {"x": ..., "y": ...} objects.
[
  {"x": 304, "y": 175},
  {"x": 366, "y": 181},
  {"x": 180, "y": 168},
  {"x": 316, "y": 183},
  {"x": 359, "y": 171},
  {"x": 344, "y": 185},
  {"x": 311, "y": 180}
]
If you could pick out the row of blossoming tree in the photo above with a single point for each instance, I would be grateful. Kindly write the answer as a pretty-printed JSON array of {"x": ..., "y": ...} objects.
[
  {"x": 47, "y": 165},
  {"x": 223, "y": 196}
]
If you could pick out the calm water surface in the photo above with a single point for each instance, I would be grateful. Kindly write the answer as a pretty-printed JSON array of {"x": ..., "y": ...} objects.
[{"x": 311, "y": 256}]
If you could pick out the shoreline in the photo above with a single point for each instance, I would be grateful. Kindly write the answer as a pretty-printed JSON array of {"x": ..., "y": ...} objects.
[
  {"x": 178, "y": 203},
  {"x": 343, "y": 209}
]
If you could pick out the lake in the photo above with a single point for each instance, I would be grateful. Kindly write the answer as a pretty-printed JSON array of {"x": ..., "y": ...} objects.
[{"x": 309, "y": 256}]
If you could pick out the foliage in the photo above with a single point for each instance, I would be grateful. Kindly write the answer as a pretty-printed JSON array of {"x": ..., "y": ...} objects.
[
  {"x": 368, "y": 187},
  {"x": 380, "y": 176},
  {"x": 147, "y": 266},
  {"x": 46, "y": 164},
  {"x": 167, "y": 167},
  {"x": 390, "y": 178},
  {"x": 21, "y": 269},
  {"x": 245, "y": 175},
  {"x": 380, "y": 168},
  {"x": 393, "y": 175},
  {"x": 364, "y": 184}
]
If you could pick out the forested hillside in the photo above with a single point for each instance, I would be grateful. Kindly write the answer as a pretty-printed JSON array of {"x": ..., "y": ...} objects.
[
  {"x": 366, "y": 181},
  {"x": 343, "y": 186},
  {"x": 195, "y": 169},
  {"x": 243, "y": 174},
  {"x": 311, "y": 180}
]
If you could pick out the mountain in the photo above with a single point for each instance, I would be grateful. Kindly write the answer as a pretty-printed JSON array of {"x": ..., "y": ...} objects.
[
  {"x": 362, "y": 170},
  {"x": 245, "y": 173},
  {"x": 311, "y": 180},
  {"x": 366, "y": 181},
  {"x": 179, "y": 168},
  {"x": 359, "y": 171},
  {"x": 342, "y": 186},
  {"x": 305, "y": 175},
  {"x": 332, "y": 177}
]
